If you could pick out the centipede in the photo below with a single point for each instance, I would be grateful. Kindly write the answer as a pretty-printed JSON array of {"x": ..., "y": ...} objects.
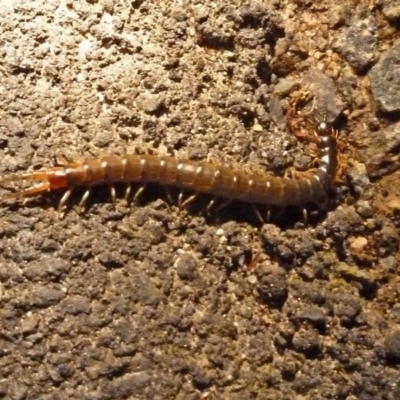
[{"x": 198, "y": 177}]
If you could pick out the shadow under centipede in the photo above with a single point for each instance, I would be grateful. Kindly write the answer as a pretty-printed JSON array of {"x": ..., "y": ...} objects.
[
  {"x": 285, "y": 218},
  {"x": 221, "y": 211}
]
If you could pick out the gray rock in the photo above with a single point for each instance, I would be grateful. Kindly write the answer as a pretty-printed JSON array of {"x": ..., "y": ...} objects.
[
  {"x": 45, "y": 296},
  {"x": 390, "y": 9},
  {"x": 358, "y": 44},
  {"x": 378, "y": 150},
  {"x": 392, "y": 347},
  {"x": 385, "y": 81},
  {"x": 327, "y": 104}
]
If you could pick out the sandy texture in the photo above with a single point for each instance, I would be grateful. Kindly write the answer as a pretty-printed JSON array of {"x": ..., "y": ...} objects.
[{"x": 150, "y": 302}]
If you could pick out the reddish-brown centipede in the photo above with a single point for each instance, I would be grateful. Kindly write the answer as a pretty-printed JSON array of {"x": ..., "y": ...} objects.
[{"x": 199, "y": 177}]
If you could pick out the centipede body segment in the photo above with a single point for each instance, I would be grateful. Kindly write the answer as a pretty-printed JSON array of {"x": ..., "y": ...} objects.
[{"x": 198, "y": 177}]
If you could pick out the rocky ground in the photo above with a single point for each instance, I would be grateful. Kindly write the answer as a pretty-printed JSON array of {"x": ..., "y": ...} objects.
[{"x": 153, "y": 302}]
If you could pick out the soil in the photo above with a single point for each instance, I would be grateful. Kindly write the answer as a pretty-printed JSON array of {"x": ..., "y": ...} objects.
[{"x": 150, "y": 301}]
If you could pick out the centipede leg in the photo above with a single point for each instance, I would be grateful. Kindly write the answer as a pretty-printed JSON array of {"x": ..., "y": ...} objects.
[
  {"x": 64, "y": 200},
  {"x": 257, "y": 212},
  {"x": 269, "y": 214},
  {"x": 187, "y": 201},
  {"x": 209, "y": 206},
  {"x": 223, "y": 205},
  {"x": 112, "y": 194},
  {"x": 84, "y": 198},
  {"x": 138, "y": 193},
  {"x": 180, "y": 199},
  {"x": 128, "y": 194},
  {"x": 305, "y": 216},
  {"x": 169, "y": 195}
]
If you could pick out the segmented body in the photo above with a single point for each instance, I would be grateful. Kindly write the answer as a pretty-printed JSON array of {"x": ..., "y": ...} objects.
[{"x": 199, "y": 177}]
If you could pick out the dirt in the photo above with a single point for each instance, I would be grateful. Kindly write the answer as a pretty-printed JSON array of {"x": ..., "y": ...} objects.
[{"x": 149, "y": 301}]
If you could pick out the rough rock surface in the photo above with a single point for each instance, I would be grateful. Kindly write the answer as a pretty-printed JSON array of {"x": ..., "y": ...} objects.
[{"x": 153, "y": 302}]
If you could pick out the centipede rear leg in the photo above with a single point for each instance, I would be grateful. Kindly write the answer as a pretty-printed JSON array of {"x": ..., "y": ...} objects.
[
  {"x": 34, "y": 191},
  {"x": 45, "y": 184}
]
